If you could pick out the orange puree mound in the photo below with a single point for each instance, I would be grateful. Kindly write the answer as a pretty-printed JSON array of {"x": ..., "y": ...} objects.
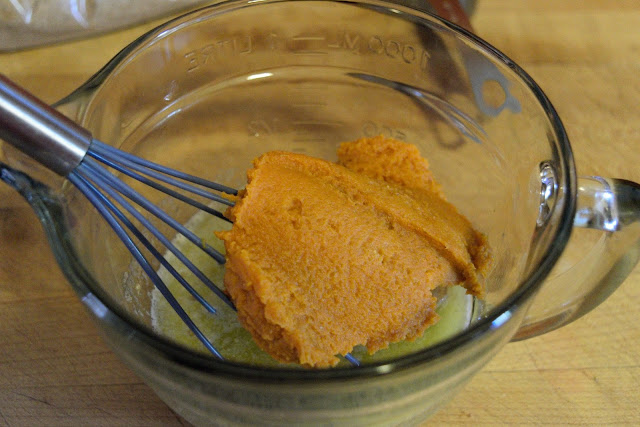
[
  {"x": 388, "y": 160},
  {"x": 322, "y": 257}
]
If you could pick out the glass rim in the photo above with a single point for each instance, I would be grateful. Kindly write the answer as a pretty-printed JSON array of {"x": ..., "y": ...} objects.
[{"x": 209, "y": 364}]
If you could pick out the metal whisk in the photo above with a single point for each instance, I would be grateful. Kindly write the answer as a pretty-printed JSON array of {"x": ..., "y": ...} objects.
[{"x": 69, "y": 150}]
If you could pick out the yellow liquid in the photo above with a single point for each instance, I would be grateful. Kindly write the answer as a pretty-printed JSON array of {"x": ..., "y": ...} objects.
[{"x": 227, "y": 334}]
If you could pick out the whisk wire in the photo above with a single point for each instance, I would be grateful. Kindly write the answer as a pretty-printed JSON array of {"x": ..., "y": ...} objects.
[
  {"x": 160, "y": 187},
  {"x": 352, "y": 359},
  {"x": 160, "y": 177},
  {"x": 97, "y": 200},
  {"x": 94, "y": 175},
  {"x": 102, "y": 148},
  {"x": 132, "y": 228},
  {"x": 140, "y": 200}
]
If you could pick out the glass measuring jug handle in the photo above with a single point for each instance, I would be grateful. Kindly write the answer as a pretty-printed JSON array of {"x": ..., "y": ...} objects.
[{"x": 608, "y": 220}]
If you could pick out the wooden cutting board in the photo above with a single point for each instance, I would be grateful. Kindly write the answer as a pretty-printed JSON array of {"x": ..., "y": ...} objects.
[{"x": 55, "y": 370}]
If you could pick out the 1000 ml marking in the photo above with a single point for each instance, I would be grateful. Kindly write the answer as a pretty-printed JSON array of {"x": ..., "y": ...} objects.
[
  {"x": 381, "y": 45},
  {"x": 308, "y": 44}
]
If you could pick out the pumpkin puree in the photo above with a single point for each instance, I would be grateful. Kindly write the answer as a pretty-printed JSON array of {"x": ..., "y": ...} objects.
[{"x": 323, "y": 256}]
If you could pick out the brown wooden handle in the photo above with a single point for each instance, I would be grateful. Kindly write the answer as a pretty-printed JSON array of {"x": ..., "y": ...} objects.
[{"x": 451, "y": 10}]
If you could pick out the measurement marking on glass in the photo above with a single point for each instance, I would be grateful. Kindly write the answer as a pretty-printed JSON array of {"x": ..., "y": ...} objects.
[{"x": 309, "y": 44}]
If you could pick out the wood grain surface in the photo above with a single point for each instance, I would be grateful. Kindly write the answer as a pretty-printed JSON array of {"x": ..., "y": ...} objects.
[{"x": 55, "y": 370}]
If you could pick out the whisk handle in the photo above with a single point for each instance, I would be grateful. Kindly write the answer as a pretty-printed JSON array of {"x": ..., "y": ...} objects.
[{"x": 40, "y": 131}]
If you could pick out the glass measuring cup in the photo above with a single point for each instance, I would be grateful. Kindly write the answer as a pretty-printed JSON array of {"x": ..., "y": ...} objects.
[{"x": 360, "y": 93}]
